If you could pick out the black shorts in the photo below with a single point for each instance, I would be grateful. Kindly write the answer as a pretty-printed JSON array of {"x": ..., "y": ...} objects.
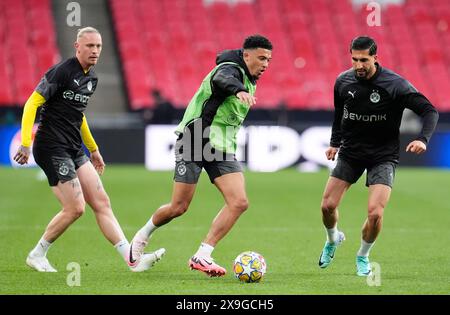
[
  {"x": 188, "y": 167},
  {"x": 59, "y": 165},
  {"x": 382, "y": 173}
]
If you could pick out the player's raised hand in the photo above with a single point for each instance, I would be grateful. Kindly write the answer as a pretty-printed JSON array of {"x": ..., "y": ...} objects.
[
  {"x": 22, "y": 155},
  {"x": 246, "y": 98},
  {"x": 416, "y": 146},
  {"x": 331, "y": 153},
  {"x": 97, "y": 161}
]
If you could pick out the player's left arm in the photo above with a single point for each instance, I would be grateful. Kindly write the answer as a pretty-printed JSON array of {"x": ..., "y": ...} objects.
[
  {"x": 91, "y": 145},
  {"x": 229, "y": 81},
  {"x": 420, "y": 105}
]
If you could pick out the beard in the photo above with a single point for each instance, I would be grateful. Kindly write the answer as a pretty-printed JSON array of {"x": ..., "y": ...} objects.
[{"x": 362, "y": 74}]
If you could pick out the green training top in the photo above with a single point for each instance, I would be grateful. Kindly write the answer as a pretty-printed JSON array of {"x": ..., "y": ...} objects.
[{"x": 228, "y": 118}]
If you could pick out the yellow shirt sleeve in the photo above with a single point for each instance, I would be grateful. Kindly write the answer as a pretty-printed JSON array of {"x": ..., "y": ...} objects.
[
  {"x": 29, "y": 115},
  {"x": 87, "y": 137}
]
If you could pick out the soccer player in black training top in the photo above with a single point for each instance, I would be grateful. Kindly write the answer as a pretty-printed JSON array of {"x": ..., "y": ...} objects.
[
  {"x": 63, "y": 93},
  {"x": 369, "y": 101}
]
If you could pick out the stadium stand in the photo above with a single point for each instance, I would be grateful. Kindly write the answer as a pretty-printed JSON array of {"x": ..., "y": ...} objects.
[
  {"x": 28, "y": 47},
  {"x": 171, "y": 45}
]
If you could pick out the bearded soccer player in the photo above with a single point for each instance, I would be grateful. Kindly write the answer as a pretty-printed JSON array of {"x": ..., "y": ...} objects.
[
  {"x": 207, "y": 139},
  {"x": 369, "y": 102},
  {"x": 63, "y": 93}
]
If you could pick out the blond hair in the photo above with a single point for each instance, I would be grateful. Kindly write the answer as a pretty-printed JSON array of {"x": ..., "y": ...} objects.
[{"x": 84, "y": 30}]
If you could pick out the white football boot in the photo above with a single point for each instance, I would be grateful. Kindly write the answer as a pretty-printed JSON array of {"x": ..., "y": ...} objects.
[
  {"x": 147, "y": 260},
  {"x": 40, "y": 263},
  {"x": 137, "y": 247}
]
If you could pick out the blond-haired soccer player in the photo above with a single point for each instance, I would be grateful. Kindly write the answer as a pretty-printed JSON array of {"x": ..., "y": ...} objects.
[{"x": 63, "y": 93}]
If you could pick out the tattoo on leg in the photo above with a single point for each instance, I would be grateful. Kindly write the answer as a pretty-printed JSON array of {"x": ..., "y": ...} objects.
[
  {"x": 75, "y": 183},
  {"x": 77, "y": 187}
]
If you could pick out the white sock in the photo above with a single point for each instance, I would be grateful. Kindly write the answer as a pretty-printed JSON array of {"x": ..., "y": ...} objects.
[
  {"x": 204, "y": 250},
  {"x": 41, "y": 248},
  {"x": 148, "y": 228},
  {"x": 123, "y": 247},
  {"x": 365, "y": 248},
  {"x": 332, "y": 234}
]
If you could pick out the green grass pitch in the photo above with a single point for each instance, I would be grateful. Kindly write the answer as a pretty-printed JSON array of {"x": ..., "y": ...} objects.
[{"x": 283, "y": 223}]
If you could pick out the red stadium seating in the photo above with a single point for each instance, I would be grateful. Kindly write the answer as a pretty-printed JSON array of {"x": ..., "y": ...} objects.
[
  {"x": 175, "y": 42},
  {"x": 172, "y": 44},
  {"x": 28, "y": 48}
]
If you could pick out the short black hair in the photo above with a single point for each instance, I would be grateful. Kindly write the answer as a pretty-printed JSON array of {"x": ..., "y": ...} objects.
[
  {"x": 363, "y": 43},
  {"x": 257, "y": 41}
]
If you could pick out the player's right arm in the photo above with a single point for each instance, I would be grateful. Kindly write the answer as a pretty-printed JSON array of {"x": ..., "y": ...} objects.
[
  {"x": 28, "y": 117},
  {"x": 47, "y": 87},
  {"x": 331, "y": 153},
  {"x": 336, "y": 133}
]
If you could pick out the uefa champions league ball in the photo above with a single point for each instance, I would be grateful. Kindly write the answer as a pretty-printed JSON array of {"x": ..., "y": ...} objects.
[{"x": 249, "y": 267}]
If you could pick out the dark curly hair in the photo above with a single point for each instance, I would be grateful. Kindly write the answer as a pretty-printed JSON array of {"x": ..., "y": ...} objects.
[
  {"x": 363, "y": 43},
  {"x": 257, "y": 41}
]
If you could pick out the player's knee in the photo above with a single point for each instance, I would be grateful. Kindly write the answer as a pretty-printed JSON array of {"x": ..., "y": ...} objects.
[
  {"x": 101, "y": 204},
  {"x": 240, "y": 204},
  {"x": 179, "y": 208},
  {"x": 375, "y": 216},
  {"x": 328, "y": 206},
  {"x": 77, "y": 210}
]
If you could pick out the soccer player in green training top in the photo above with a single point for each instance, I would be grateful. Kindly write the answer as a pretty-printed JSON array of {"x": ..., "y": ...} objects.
[{"x": 207, "y": 139}]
